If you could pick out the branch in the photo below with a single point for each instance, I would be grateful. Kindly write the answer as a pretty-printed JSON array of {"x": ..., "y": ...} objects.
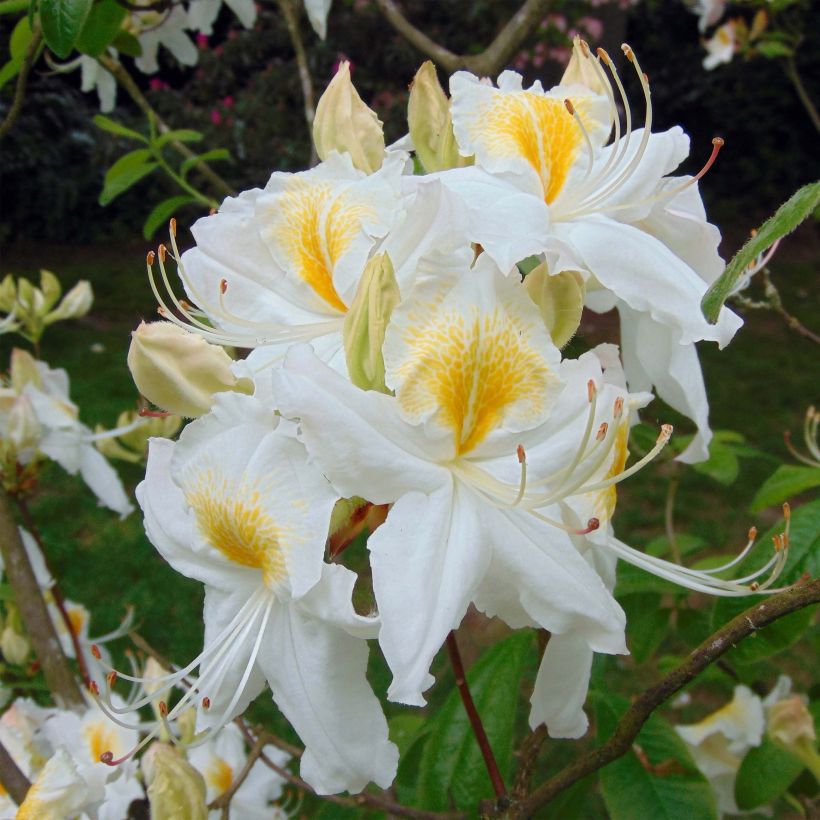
[
  {"x": 13, "y": 780},
  {"x": 223, "y": 802},
  {"x": 799, "y": 596},
  {"x": 790, "y": 67},
  {"x": 22, "y": 79},
  {"x": 291, "y": 15},
  {"x": 488, "y": 62},
  {"x": 58, "y": 673},
  {"x": 132, "y": 89}
]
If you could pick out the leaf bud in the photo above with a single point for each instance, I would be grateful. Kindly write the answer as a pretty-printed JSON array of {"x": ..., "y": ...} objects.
[
  {"x": 175, "y": 788},
  {"x": 560, "y": 298}
]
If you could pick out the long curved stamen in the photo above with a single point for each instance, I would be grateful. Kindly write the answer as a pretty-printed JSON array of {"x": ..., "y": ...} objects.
[
  {"x": 587, "y": 141},
  {"x": 810, "y": 426}
]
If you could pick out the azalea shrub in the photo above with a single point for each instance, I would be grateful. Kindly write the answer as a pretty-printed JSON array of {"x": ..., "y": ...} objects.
[{"x": 371, "y": 419}]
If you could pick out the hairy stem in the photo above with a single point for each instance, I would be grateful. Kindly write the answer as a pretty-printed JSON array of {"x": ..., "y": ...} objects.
[
  {"x": 475, "y": 719},
  {"x": 58, "y": 673},
  {"x": 790, "y": 67}
]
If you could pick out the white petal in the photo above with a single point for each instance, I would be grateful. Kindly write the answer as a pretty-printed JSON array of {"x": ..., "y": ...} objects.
[
  {"x": 317, "y": 11},
  {"x": 317, "y": 676}
]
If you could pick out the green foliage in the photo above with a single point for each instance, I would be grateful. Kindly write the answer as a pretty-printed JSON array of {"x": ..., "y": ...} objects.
[
  {"x": 62, "y": 22},
  {"x": 788, "y": 216},
  {"x": 726, "y": 447},
  {"x": 119, "y": 130},
  {"x": 786, "y": 482},
  {"x": 125, "y": 172},
  {"x": 451, "y": 766},
  {"x": 179, "y": 135},
  {"x": 646, "y": 623},
  {"x": 672, "y": 790},
  {"x": 162, "y": 212},
  {"x": 214, "y": 155},
  {"x": 101, "y": 27},
  {"x": 18, "y": 43},
  {"x": 765, "y": 774}
]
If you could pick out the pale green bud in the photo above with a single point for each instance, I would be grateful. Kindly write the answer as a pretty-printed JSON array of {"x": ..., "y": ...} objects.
[
  {"x": 581, "y": 69},
  {"x": 50, "y": 288},
  {"x": 366, "y": 322},
  {"x": 23, "y": 429},
  {"x": 23, "y": 370},
  {"x": 176, "y": 790},
  {"x": 8, "y": 294},
  {"x": 344, "y": 123},
  {"x": 431, "y": 124},
  {"x": 179, "y": 371},
  {"x": 789, "y": 722},
  {"x": 14, "y": 646},
  {"x": 133, "y": 445},
  {"x": 560, "y": 298},
  {"x": 77, "y": 302}
]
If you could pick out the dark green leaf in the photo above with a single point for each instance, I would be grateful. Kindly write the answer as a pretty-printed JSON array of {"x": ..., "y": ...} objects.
[
  {"x": 162, "y": 212},
  {"x": 771, "y": 48},
  {"x": 113, "y": 127},
  {"x": 404, "y": 728},
  {"x": 686, "y": 544},
  {"x": 722, "y": 464},
  {"x": 62, "y": 22},
  {"x": 675, "y": 790},
  {"x": 18, "y": 43},
  {"x": 646, "y": 623},
  {"x": 788, "y": 216},
  {"x": 633, "y": 580},
  {"x": 452, "y": 766},
  {"x": 101, "y": 27},
  {"x": 125, "y": 172},
  {"x": 180, "y": 135},
  {"x": 209, "y": 156},
  {"x": 126, "y": 43},
  {"x": 765, "y": 773},
  {"x": 784, "y": 484}
]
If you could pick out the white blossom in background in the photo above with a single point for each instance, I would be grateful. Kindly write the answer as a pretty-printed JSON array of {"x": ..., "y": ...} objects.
[
  {"x": 93, "y": 77},
  {"x": 720, "y": 46},
  {"x": 202, "y": 14},
  {"x": 708, "y": 11},
  {"x": 169, "y": 30},
  {"x": 317, "y": 11}
]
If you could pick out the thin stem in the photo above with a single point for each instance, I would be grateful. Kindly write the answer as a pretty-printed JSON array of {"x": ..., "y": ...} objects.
[
  {"x": 669, "y": 516},
  {"x": 475, "y": 720},
  {"x": 790, "y": 67},
  {"x": 132, "y": 89},
  {"x": 291, "y": 15},
  {"x": 13, "y": 780},
  {"x": 22, "y": 78},
  {"x": 224, "y": 800},
  {"x": 56, "y": 592},
  {"x": 797, "y": 597},
  {"x": 186, "y": 186},
  {"x": 58, "y": 673}
]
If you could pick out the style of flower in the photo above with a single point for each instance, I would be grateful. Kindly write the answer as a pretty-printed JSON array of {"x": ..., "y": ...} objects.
[
  {"x": 546, "y": 182},
  {"x": 236, "y": 505}
]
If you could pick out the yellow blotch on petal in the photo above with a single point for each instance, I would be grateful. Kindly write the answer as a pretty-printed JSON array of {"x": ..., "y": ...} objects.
[
  {"x": 608, "y": 497},
  {"x": 536, "y": 128},
  {"x": 476, "y": 370},
  {"x": 233, "y": 521},
  {"x": 219, "y": 775},
  {"x": 315, "y": 228},
  {"x": 101, "y": 738}
]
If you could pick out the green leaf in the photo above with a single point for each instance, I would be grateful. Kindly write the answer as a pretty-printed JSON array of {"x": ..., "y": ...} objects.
[
  {"x": 632, "y": 580},
  {"x": 452, "y": 766},
  {"x": 180, "y": 135},
  {"x": 213, "y": 155},
  {"x": 765, "y": 773},
  {"x": 804, "y": 556},
  {"x": 125, "y": 172},
  {"x": 772, "y": 49},
  {"x": 787, "y": 481},
  {"x": 675, "y": 790},
  {"x": 646, "y": 623},
  {"x": 788, "y": 216},
  {"x": 722, "y": 464},
  {"x": 405, "y": 728},
  {"x": 126, "y": 43},
  {"x": 113, "y": 127},
  {"x": 101, "y": 27},
  {"x": 18, "y": 43},
  {"x": 62, "y": 22},
  {"x": 162, "y": 212}
]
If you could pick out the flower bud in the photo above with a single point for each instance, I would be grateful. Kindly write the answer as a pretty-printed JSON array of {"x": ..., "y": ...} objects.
[
  {"x": 76, "y": 303},
  {"x": 179, "y": 371},
  {"x": 560, "y": 298},
  {"x": 59, "y": 791},
  {"x": 344, "y": 123},
  {"x": 789, "y": 722},
  {"x": 23, "y": 429},
  {"x": 8, "y": 294},
  {"x": 175, "y": 788},
  {"x": 23, "y": 370},
  {"x": 14, "y": 646},
  {"x": 50, "y": 288},
  {"x": 366, "y": 322},
  {"x": 431, "y": 124},
  {"x": 581, "y": 69},
  {"x": 133, "y": 445}
]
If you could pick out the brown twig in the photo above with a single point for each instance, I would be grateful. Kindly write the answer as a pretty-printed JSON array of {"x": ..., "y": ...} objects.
[
  {"x": 22, "y": 79},
  {"x": 56, "y": 592},
  {"x": 475, "y": 720},
  {"x": 291, "y": 14},
  {"x": 790, "y": 67},
  {"x": 800, "y": 596},
  {"x": 488, "y": 62},
  {"x": 58, "y": 672},
  {"x": 223, "y": 802},
  {"x": 528, "y": 756},
  {"x": 132, "y": 89},
  {"x": 13, "y": 780}
]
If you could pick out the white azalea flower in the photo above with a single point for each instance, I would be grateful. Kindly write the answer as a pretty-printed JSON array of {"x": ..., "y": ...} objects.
[
  {"x": 202, "y": 14},
  {"x": 236, "y": 505},
  {"x": 154, "y": 29},
  {"x": 93, "y": 77},
  {"x": 720, "y": 46},
  {"x": 546, "y": 182},
  {"x": 708, "y": 11},
  {"x": 222, "y": 757},
  {"x": 317, "y": 11},
  {"x": 59, "y": 792}
]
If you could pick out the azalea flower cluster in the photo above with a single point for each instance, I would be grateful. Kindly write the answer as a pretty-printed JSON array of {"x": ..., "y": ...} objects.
[{"x": 405, "y": 307}]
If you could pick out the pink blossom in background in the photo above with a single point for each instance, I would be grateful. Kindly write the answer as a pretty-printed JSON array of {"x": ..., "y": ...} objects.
[
  {"x": 202, "y": 41},
  {"x": 228, "y": 101},
  {"x": 218, "y": 51},
  {"x": 155, "y": 84},
  {"x": 216, "y": 116},
  {"x": 593, "y": 27}
]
